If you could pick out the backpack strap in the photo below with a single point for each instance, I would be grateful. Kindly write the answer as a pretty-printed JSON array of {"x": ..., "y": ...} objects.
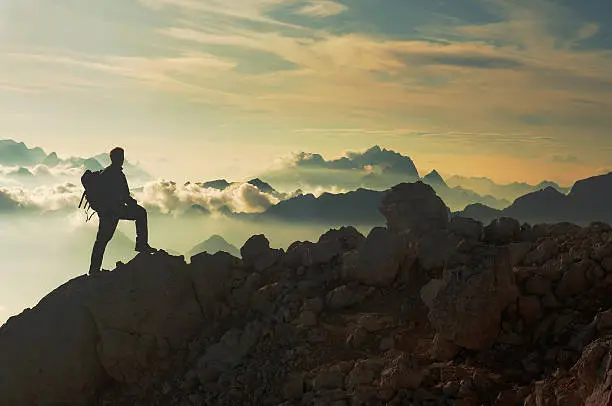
[{"x": 81, "y": 202}]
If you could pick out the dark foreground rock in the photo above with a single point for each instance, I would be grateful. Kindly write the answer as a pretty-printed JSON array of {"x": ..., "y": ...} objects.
[{"x": 502, "y": 314}]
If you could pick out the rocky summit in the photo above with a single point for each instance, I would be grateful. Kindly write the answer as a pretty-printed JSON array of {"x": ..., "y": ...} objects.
[{"x": 429, "y": 310}]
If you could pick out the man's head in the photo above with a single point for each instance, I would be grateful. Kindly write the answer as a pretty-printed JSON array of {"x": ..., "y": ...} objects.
[{"x": 117, "y": 155}]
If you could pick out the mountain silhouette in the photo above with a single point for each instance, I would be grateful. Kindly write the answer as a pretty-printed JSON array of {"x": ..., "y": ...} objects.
[
  {"x": 589, "y": 200},
  {"x": 220, "y": 184},
  {"x": 213, "y": 245},
  {"x": 433, "y": 178},
  {"x": 358, "y": 207},
  {"x": 509, "y": 192},
  {"x": 14, "y": 153}
]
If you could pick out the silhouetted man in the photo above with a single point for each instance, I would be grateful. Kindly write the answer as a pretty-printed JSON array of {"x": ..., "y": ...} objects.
[{"x": 118, "y": 205}]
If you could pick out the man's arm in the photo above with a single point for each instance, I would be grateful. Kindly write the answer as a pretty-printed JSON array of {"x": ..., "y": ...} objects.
[{"x": 126, "y": 197}]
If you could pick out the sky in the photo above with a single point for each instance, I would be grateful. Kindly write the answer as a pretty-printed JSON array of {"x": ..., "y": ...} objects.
[{"x": 509, "y": 89}]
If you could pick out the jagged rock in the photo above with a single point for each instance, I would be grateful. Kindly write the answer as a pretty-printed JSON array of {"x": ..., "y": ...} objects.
[
  {"x": 264, "y": 299},
  {"x": 294, "y": 387},
  {"x": 364, "y": 373},
  {"x": 348, "y": 237},
  {"x": 543, "y": 252},
  {"x": 381, "y": 257},
  {"x": 443, "y": 349},
  {"x": 41, "y": 363},
  {"x": 357, "y": 337},
  {"x": 431, "y": 290},
  {"x": 374, "y": 322},
  {"x": 518, "y": 252},
  {"x": 414, "y": 208},
  {"x": 467, "y": 228},
  {"x": 212, "y": 276},
  {"x": 314, "y": 305},
  {"x": 228, "y": 352},
  {"x": 307, "y": 319},
  {"x": 438, "y": 249},
  {"x": 530, "y": 309},
  {"x": 298, "y": 254},
  {"x": 467, "y": 310},
  {"x": 332, "y": 378},
  {"x": 573, "y": 282},
  {"x": 141, "y": 312},
  {"x": 343, "y": 296},
  {"x": 502, "y": 231},
  {"x": 538, "y": 285},
  {"x": 257, "y": 254},
  {"x": 402, "y": 373}
]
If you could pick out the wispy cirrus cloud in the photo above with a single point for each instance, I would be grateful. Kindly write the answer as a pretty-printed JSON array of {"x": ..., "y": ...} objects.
[
  {"x": 322, "y": 8},
  {"x": 511, "y": 67}
]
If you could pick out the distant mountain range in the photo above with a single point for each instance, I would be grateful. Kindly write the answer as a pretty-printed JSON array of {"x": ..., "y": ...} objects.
[
  {"x": 17, "y": 154},
  {"x": 377, "y": 167},
  {"x": 509, "y": 192},
  {"x": 588, "y": 200},
  {"x": 213, "y": 245}
]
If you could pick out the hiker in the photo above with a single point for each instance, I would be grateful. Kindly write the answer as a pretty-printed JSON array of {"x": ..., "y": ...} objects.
[{"x": 117, "y": 204}]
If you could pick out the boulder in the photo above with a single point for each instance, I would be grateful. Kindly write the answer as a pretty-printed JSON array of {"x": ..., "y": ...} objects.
[
  {"x": 142, "y": 312},
  {"x": 344, "y": 296},
  {"x": 467, "y": 310},
  {"x": 212, "y": 275},
  {"x": 438, "y": 249},
  {"x": 543, "y": 253},
  {"x": 118, "y": 326},
  {"x": 503, "y": 230},
  {"x": 573, "y": 282},
  {"x": 257, "y": 254},
  {"x": 431, "y": 290},
  {"x": 467, "y": 228},
  {"x": 229, "y": 352},
  {"x": 530, "y": 309},
  {"x": 414, "y": 208},
  {"x": 41, "y": 364},
  {"x": 348, "y": 237},
  {"x": 381, "y": 257}
]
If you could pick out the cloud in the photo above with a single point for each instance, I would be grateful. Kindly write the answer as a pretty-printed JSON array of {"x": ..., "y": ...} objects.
[
  {"x": 169, "y": 197},
  {"x": 45, "y": 198},
  {"x": 322, "y": 8}
]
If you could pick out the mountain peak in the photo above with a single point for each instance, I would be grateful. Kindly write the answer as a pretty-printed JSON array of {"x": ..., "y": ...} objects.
[{"x": 434, "y": 178}]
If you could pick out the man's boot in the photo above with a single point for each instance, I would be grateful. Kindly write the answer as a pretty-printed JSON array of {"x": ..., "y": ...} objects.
[{"x": 144, "y": 247}]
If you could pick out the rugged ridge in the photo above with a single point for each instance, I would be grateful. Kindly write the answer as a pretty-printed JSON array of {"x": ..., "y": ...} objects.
[{"x": 429, "y": 310}]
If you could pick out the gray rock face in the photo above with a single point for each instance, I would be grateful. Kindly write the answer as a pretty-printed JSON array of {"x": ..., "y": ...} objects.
[
  {"x": 381, "y": 257},
  {"x": 32, "y": 374},
  {"x": 502, "y": 231},
  {"x": 467, "y": 309},
  {"x": 257, "y": 254},
  {"x": 467, "y": 228},
  {"x": 117, "y": 326},
  {"x": 414, "y": 208},
  {"x": 143, "y": 311}
]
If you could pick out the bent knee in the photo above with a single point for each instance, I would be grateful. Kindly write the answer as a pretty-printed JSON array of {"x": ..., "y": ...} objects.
[{"x": 141, "y": 211}]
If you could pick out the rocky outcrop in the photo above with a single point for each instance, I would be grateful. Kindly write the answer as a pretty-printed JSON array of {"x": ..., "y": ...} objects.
[
  {"x": 453, "y": 313},
  {"x": 468, "y": 306},
  {"x": 414, "y": 208}
]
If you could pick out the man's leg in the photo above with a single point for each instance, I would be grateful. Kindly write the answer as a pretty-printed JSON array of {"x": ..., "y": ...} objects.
[
  {"x": 138, "y": 213},
  {"x": 106, "y": 229}
]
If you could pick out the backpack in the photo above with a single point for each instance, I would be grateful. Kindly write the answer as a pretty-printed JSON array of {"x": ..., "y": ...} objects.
[{"x": 94, "y": 191}]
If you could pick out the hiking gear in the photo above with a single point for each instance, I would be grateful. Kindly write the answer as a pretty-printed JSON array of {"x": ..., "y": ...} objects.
[
  {"x": 145, "y": 248},
  {"x": 94, "y": 194}
]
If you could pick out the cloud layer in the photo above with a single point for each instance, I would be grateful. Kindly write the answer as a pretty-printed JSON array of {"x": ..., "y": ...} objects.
[{"x": 169, "y": 197}]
